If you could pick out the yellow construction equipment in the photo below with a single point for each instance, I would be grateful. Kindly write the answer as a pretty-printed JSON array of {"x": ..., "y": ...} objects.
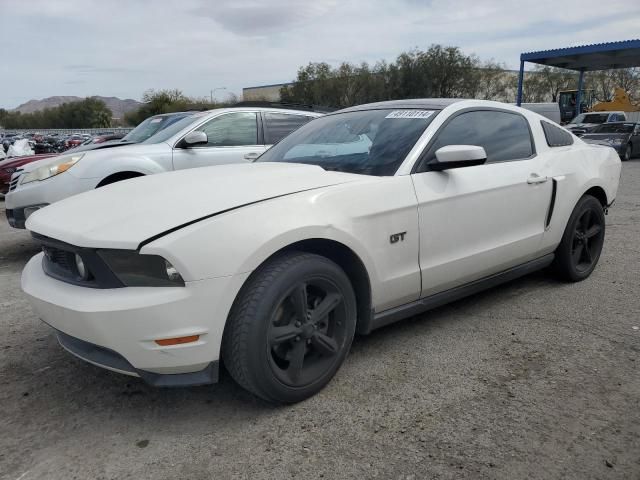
[{"x": 621, "y": 102}]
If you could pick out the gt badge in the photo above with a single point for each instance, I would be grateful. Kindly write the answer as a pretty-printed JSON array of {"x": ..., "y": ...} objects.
[{"x": 397, "y": 237}]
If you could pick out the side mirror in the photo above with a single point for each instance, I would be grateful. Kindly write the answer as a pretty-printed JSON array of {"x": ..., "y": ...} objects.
[
  {"x": 458, "y": 156},
  {"x": 194, "y": 138}
]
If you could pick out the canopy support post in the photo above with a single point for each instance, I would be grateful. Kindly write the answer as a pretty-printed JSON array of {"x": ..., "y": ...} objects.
[
  {"x": 520, "y": 80},
  {"x": 579, "y": 94}
]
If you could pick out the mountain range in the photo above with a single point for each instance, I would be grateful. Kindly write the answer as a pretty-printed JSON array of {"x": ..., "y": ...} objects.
[{"x": 117, "y": 106}]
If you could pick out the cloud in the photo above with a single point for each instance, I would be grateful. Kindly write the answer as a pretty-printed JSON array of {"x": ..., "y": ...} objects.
[
  {"x": 122, "y": 48},
  {"x": 256, "y": 18},
  {"x": 84, "y": 69}
]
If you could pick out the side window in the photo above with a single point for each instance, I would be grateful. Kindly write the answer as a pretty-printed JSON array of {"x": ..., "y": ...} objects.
[
  {"x": 556, "y": 136},
  {"x": 232, "y": 129},
  {"x": 279, "y": 125},
  {"x": 504, "y": 136}
]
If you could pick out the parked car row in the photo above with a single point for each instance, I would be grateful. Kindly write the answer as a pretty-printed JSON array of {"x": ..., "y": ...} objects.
[
  {"x": 272, "y": 259},
  {"x": 160, "y": 144},
  {"x": 623, "y": 137},
  {"x": 55, "y": 142},
  {"x": 587, "y": 122},
  {"x": 142, "y": 132}
]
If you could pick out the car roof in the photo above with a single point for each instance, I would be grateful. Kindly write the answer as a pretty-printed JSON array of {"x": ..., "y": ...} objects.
[
  {"x": 432, "y": 103},
  {"x": 266, "y": 109},
  {"x": 171, "y": 114}
]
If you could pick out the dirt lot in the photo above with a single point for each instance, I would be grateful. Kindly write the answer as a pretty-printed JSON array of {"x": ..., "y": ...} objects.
[{"x": 534, "y": 379}]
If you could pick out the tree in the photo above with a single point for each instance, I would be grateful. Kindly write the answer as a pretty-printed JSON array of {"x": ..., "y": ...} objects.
[
  {"x": 553, "y": 80},
  {"x": 87, "y": 113},
  {"x": 169, "y": 101},
  {"x": 604, "y": 82},
  {"x": 440, "y": 71}
]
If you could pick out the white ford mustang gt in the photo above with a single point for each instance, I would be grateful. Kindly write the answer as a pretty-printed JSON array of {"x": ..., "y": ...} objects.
[{"x": 357, "y": 219}]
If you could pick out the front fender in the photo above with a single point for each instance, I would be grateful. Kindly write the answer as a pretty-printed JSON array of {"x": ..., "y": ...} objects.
[
  {"x": 241, "y": 244},
  {"x": 361, "y": 217},
  {"x": 100, "y": 168}
]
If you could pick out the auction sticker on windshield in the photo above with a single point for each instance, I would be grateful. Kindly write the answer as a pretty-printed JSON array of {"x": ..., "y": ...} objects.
[{"x": 410, "y": 114}]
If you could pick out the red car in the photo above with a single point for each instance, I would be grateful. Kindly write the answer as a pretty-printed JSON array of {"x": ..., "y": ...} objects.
[
  {"x": 107, "y": 138},
  {"x": 10, "y": 165},
  {"x": 74, "y": 141}
]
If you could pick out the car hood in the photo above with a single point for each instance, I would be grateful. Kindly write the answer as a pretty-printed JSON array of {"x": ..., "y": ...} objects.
[
  {"x": 582, "y": 125},
  {"x": 100, "y": 146},
  {"x": 104, "y": 154},
  {"x": 605, "y": 137},
  {"x": 125, "y": 214}
]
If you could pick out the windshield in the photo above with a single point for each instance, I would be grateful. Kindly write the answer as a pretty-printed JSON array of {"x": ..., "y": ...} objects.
[
  {"x": 171, "y": 130},
  {"x": 615, "y": 128},
  {"x": 369, "y": 142},
  {"x": 151, "y": 126},
  {"x": 591, "y": 118}
]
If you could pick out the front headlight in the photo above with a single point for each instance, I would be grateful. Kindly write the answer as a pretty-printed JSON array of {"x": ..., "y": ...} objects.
[
  {"x": 134, "y": 269},
  {"x": 617, "y": 141},
  {"x": 83, "y": 272},
  {"x": 59, "y": 165}
]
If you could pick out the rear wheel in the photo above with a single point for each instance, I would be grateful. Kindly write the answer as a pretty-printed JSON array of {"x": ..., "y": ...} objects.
[
  {"x": 290, "y": 328},
  {"x": 581, "y": 245}
]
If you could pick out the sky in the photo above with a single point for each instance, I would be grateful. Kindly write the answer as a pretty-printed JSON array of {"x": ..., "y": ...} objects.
[{"x": 123, "y": 47}]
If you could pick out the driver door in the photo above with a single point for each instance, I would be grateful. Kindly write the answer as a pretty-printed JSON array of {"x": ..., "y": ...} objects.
[
  {"x": 232, "y": 138},
  {"x": 479, "y": 220}
]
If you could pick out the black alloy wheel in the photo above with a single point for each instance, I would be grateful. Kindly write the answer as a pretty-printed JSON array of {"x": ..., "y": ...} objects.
[
  {"x": 290, "y": 327},
  {"x": 581, "y": 245},
  {"x": 306, "y": 332},
  {"x": 588, "y": 237},
  {"x": 627, "y": 153}
]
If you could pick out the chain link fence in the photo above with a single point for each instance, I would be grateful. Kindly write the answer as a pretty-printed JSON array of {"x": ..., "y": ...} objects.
[{"x": 67, "y": 131}]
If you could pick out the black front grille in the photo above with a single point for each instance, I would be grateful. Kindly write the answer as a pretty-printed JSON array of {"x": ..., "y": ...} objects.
[
  {"x": 60, "y": 262},
  {"x": 15, "y": 179},
  {"x": 63, "y": 261}
]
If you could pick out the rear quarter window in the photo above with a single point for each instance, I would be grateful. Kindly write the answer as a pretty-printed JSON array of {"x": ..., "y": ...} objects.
[
  {"x": 556, "y": 136},
  {"x": 279, "y": 125}
]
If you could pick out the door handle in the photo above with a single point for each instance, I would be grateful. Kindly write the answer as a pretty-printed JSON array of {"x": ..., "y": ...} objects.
[
  {"x": 251, "y": 156},
  {"x": 535, "y": 178}
]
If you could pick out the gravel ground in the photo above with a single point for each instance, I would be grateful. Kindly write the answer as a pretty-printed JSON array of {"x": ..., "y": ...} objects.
[{"x": 533, "y": 379}]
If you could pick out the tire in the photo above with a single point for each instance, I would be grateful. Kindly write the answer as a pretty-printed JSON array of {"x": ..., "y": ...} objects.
[
  {"x": 628, "y": 152},
  {"x": 582, "y": 241},
  {"x": 290, "y": 327}
]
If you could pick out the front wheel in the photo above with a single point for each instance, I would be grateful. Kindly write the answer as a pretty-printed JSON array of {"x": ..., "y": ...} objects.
[
  {"x": 581, "y": 245},
  {"x": 290, "y": 327},
  {"x": 628, "y": 152}
]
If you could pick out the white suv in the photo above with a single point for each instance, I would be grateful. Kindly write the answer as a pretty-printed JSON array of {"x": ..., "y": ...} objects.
[{"x": 227, "y": 135}]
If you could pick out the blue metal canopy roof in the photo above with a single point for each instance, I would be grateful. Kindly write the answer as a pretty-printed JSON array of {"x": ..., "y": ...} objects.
[{"x": 599, "y": 56}]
